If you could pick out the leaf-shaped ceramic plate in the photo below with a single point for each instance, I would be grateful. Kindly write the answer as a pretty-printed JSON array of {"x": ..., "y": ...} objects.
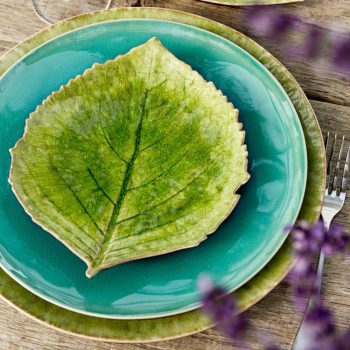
[
  {"x": 247, "y": 239},
  {"x": 135, "y": 158},
  {"x": 250, "y": 2}
]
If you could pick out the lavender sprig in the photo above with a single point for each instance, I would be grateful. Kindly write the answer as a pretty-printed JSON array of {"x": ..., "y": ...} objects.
[
  {"x": 221, "y": 307},
  {"x": 307, "y": 240},
  {"x": 320, "y": 322},
  {"x": 327, "y": 45}
]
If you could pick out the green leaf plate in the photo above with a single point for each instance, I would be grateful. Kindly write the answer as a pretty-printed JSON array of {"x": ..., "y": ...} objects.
[
  {"x": 251, "y": 292},
  {"x": 131, "y": 163}
]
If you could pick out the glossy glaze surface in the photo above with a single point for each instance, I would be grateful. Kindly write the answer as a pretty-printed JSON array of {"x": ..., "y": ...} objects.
[{"x": 166, "y": 284}]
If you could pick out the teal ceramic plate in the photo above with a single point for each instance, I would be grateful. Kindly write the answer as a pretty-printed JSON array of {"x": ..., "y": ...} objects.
[
  {"x": 193, "y": 321},
  {"x": 162, "y": 285}
]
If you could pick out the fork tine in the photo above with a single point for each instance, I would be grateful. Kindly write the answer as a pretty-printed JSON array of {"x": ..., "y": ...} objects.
[
  {"x": 329, "y": 185},
  {"x": 326, "y": 146},
  {"x": 326, "y": 141},
  {"x": 345, "y": 180},
  {"x": 337, "y": 167}
]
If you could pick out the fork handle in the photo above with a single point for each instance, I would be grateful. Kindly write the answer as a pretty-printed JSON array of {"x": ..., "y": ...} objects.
[
  {"x": 319, "y": 274},
  {"x": 302, "y": 340},
  {"x": 320, "y": 263}
]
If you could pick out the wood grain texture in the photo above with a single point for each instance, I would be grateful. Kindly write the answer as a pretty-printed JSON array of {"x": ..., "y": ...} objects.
[
  {"x": 330, "y": 97},
  {"x": 318, "y": 83}
]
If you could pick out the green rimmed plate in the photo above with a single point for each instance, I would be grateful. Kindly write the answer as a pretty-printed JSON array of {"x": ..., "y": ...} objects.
[
  {"x": 163, "y": 285},
  {"x": 192, "y": 321}
]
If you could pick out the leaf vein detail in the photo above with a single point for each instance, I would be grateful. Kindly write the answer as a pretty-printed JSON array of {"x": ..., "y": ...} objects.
[
  {"x": 118, "y": 204},
  {"x": 107, "y": 138},
  {"x": 77, "y": 199},
  {"x": 99, "y": 186}
]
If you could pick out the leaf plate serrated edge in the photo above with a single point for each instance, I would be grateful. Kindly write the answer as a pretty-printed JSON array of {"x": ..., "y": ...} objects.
[{"x": 90, "y": 272}]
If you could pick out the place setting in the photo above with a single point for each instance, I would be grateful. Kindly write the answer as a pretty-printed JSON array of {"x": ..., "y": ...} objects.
[{"x": 143, "y": 148}]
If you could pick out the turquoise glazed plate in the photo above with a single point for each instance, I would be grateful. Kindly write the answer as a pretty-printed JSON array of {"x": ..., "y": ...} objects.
[
  {"x": 162, "y": 285},
  {"x": 193, "y": 321}
]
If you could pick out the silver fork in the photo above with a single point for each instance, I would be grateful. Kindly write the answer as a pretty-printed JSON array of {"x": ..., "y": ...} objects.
[{"x": 334, "y": 200}]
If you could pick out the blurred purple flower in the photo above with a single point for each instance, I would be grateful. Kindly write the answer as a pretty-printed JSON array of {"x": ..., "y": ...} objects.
[
  {"x": 310, "y": 48},
  {"x": 320, "y": 321},
  {"x": 307, "y": 240},
  {"x": 221, "y": 307},
  {"x": 335, "y": 241},
  {"x": 302, "y": 278},
  {"x": 313, "y": 42},
  {"x": 317, "y": 42},
  {"x": 219, "y": 304},
  {"x": 270, "y": 22},
  {"x": 271, "y": 347},
  {"x": 341, "y": 52},
  {"x": 310, "y": 239},
  {"x": 342, "y": 342}
]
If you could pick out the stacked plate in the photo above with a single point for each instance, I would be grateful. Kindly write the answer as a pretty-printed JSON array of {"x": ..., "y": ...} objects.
[{"x": 156, "y": 298}]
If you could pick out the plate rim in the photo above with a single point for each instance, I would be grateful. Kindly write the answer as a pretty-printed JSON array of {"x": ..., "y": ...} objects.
[
  {"x": 222, "y": 30},
  {"x": 193, "y": 305},
  {"x": 250, "y": 3}
]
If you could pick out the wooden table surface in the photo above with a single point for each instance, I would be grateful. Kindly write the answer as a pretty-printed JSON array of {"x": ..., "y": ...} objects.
[{"x": 330, "y": 97}]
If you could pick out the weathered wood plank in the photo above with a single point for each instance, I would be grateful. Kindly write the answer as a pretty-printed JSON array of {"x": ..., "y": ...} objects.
[{"x": 318, "y": 83}]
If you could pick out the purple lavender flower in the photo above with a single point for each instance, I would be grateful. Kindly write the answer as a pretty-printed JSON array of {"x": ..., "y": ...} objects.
[
  {"x": 307, "y": 240},
  {"x": 221, "y": 307},
  {"x": 270, "y": 22},
  {"x": 334, "y": 342},
  {"x": 335, "y": 241},
  {"x": 313, "y": 42},
  {"x": 341, "y": 53},
  {"x": 317, "y": 42},
  {"x": 303, "y": 278},
  {"x": 343, "y": 342},
  {"x": 320, "y": 321},
  {"x": 271, "y": 347}
]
